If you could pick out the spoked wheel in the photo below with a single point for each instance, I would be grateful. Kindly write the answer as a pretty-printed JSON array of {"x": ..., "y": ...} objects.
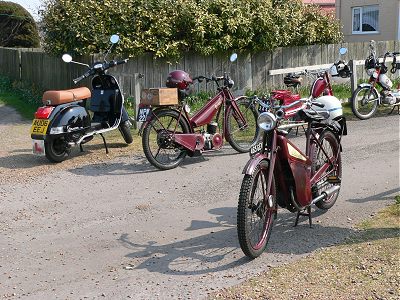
[
  {"x": 241, "y": 136},
  {"x": 364, "y": 102},
  {"x": 256, "y": 211},
  {"x": 333, "y": 173},
  {"x": 158, "y": 144},
  {"x": 56, "y": 150}
]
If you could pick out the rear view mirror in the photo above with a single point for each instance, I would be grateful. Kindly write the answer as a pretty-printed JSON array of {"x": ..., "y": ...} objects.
[
  {"x": 233, "y": 57},
  {"x": 67, "y": 58},
  {"x": 343, "y": 51},
  {"x": 114, "y": 38}
]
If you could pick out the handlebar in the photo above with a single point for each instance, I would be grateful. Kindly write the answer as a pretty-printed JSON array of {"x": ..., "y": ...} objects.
[
  {"x": 104, "y": 66},
  {"x": 278, "y": 108}
]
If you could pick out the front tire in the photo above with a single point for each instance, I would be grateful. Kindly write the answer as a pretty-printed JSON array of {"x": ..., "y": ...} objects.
[
  {"x": 364, "y": 102},
  {"x": 157, "y": 139},
  {"x": 241, "y": 137},
  {"x": 256, "y": 211},
  {"x": 56, "y": 150},
  {"x": 125, "y": 130},
  {"x": 331, "y": 147}
]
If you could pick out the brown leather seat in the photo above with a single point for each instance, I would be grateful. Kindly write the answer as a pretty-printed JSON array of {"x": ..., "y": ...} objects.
[{"x": 65, "y": 96}]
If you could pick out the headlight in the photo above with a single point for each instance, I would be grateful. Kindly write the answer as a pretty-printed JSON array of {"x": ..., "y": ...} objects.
[{"x": 266, "y": 121}]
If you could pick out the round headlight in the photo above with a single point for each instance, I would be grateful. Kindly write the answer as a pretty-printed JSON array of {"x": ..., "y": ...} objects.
[{"x": 266, "y": 121}]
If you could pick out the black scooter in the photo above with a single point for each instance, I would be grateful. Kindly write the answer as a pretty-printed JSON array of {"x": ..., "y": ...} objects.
[{"x": 65, "y": 121}]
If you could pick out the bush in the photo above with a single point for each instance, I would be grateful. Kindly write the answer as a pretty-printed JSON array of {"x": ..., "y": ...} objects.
[
  {"x": 17, "y": 27},
  {"x": 169, "y": 28}
]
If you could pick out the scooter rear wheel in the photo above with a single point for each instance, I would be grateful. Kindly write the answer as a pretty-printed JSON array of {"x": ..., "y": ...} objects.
[
  {"x": 56, "y": 150},
  {"x": 256, "y": 211},
  {"x": 157, "y": 139}
]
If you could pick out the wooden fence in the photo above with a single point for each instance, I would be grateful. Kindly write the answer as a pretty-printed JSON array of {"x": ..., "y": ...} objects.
[{"x": 250, "y": 71}]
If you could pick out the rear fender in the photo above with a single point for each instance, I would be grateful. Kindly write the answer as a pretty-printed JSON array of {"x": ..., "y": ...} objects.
[
  {"x": 253, "y": 163},
  {"x": 153, "y": 114}
]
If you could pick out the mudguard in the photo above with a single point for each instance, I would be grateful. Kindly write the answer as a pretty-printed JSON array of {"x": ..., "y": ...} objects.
[{"x": 253, "y": 163}]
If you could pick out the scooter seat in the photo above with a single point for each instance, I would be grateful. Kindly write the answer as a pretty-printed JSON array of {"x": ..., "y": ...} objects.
[{"x": 65, "y": 96}]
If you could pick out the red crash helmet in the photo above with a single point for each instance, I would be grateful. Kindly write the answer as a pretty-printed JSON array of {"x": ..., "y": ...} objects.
[{"x": 178, "y": 79}]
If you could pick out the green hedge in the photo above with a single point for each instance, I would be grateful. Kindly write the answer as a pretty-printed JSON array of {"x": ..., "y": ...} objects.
[{"x": 169, "y": 28}]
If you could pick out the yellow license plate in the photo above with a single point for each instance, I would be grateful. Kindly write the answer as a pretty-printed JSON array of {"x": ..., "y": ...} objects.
[{"x": 39, "y": 126}]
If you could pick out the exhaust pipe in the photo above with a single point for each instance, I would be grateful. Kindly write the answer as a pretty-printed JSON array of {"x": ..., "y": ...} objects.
[{"x": 326, "y": 194}]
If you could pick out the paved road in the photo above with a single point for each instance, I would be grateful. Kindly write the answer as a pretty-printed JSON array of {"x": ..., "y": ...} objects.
[{"x": 121, "y": 229}]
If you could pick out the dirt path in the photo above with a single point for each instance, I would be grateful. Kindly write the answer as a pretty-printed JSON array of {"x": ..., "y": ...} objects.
[{"x": 117, "y": 228}]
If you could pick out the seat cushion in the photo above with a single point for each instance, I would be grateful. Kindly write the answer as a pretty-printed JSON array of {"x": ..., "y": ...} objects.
[{"x": 65, "y": 96}]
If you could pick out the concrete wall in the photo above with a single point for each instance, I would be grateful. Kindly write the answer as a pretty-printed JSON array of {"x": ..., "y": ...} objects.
[{"x": 389, "y": 23}]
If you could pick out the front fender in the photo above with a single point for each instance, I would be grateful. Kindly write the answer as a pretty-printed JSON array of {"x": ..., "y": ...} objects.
[
  {"x": 253, "y": 163},
  {"x": 361, "y": 85}
]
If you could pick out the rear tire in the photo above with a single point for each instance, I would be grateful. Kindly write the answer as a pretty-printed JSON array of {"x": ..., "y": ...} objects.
[
  {"x": 56, "y": 150},
  {"x": 125, "y": 130},
  {"x": 255, "y": 215},
  {"x": 331, "y": 146},
  {"x": 363, "y": 110},
  {"x": 158, "y": 145}
]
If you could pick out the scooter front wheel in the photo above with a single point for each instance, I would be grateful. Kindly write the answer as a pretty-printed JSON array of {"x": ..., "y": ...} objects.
[
  {"x": 125, "y": 130},
  {"x": 56, "y": 150},
  {"x": 256, "y": 211},
  {"x": 157, "y": 139}
]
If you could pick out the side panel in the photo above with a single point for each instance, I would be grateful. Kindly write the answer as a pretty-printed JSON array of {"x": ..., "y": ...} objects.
[
  {"x": 207, "y": 113},
  {"x": 72, "y": 117},
  {"x": 300, "y": 166}
]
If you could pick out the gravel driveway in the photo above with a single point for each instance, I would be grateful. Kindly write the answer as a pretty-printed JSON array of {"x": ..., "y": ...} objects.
[{"x": 116, "y": 228}]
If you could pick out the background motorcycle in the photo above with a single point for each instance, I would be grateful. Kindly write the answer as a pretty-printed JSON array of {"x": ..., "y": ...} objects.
[
  {"x": 366, "y": 98},
  {"x": 65, "y": 121},
  {"x": 321, "y": 91},
  {"x": 169, "y": 133}
]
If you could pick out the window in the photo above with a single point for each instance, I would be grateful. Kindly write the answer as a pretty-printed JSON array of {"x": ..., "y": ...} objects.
[{"x": 365, "y": 19}]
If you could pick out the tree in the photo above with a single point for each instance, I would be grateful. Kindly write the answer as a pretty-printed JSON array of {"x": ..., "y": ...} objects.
[
  {"x": 169, "y": 28},
  {"x": 17, "y": 27}
]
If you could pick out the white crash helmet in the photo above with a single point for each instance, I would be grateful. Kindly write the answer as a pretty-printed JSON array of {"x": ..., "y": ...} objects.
[
  {"x": 340, "y": 72},
  {"x": 332, "y": 105}
]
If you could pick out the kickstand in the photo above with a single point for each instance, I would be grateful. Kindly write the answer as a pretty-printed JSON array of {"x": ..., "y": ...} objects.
[
  {"x": 302, "y": 213},
  {"x": 81, "y": 147},
  {"x": 398, "y": 109},
  {"x": 104, "y": 141}
]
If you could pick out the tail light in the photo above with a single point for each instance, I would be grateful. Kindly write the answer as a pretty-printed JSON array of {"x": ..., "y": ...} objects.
[{"x": 43, "y": 112}]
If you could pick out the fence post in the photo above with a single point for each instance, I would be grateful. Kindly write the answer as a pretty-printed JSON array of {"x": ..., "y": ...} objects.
[
  {"x": 353, "y": 78},
  {"x": 136, "y": 93}
]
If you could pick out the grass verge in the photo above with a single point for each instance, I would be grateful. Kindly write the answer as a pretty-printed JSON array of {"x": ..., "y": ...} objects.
[
  {"x": 365, "y": 267},
  {"x": 25, "y": 99}
]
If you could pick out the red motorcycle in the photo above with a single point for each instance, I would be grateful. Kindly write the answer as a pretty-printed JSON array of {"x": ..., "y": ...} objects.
[
  {"x": 321, "y": 91},
  {"x": 169, "y": 133},
  {"x": 285, "y": 97}
]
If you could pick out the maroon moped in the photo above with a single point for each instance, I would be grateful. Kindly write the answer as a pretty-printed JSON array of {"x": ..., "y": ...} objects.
[
  {"x": 169, "y": 133},
  {"x": 280, "y": 174}
]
